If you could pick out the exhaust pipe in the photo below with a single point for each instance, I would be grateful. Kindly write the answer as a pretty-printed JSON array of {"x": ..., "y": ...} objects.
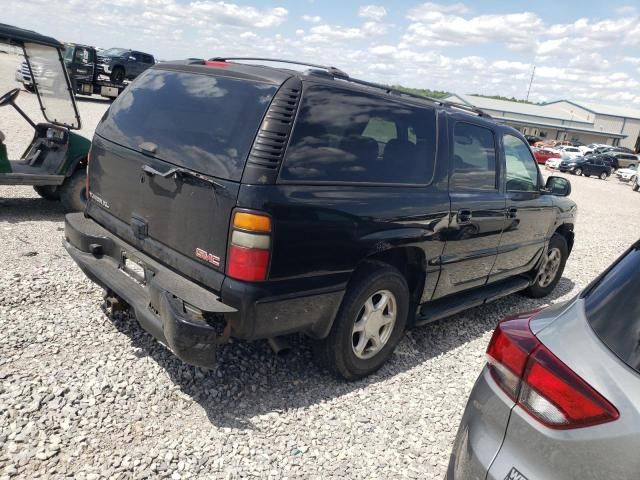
[{"x": 279, "y": 345}]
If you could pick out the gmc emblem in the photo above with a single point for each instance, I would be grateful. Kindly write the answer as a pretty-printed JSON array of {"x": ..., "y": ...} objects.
[{"x": 208, "y": 257}]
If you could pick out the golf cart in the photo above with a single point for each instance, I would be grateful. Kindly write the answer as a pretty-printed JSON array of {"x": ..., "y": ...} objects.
[{"x": 55, "y": 161}]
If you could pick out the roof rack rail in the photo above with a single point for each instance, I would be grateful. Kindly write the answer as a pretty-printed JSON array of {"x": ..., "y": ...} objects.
[
  {"x": 339, "y": 74},
  {"x": 336, "y": 72}
]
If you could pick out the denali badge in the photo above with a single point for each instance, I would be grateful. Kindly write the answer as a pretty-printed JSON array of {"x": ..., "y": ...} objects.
[
  {"x": 103, "y": 203},
  {"x": 208, "y": 257}
]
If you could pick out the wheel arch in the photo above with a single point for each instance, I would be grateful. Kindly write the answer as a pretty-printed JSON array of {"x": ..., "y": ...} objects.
[
  {"x": 566, "y": 231},
  {"x": 409, "y": 261}
]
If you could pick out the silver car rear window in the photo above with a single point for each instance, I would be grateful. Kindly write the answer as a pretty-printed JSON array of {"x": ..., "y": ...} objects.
[{"x": 613, "y": 308}]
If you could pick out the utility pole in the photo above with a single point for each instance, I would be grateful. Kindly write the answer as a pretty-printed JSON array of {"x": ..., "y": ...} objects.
[{"x": 531, "y": 82}]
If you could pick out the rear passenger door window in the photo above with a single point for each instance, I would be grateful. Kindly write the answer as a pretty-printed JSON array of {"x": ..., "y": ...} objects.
[
  {"x": 522, "y": 173},
  {"x": 344, "y": 135},
  {"x": 473, "y": 162}
]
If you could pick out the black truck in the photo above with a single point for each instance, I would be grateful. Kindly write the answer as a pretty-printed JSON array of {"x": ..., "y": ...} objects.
[
  {"x": 229, "y": 200},
  {"x": 85, "y": 71}
]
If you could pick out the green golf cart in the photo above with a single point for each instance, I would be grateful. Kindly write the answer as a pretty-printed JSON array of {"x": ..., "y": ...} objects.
[{"x": 55, "y": 161}]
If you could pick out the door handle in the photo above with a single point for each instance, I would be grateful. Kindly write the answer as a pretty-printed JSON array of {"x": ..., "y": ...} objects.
[
  {"x": 463, "y": 216},
  {"x": 512, "y": 213}
]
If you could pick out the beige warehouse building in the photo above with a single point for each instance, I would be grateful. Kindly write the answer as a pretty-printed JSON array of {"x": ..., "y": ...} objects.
[{"x": 565, "y": 120}]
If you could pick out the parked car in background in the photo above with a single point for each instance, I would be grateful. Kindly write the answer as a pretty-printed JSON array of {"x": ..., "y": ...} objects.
[
  {"x": 544, "y": 154},
  {"x": 121, "y": 64},
  {"x": 559, "y": 396},
  {"x": 627, "y": 174},
  {"x": 586, "y": 149},
  {"x": 617, "y": 159},
  {"x": 567, "y": 152},
  {"x": 217, "y": 216},
  {"x": 553, "y": 162},
  {"x": 532, "y": 139},
  {"x": 586, "y": 166}
]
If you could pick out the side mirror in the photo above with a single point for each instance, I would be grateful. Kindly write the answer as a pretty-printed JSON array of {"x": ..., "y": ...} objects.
[{"x": 559, "y": 186}]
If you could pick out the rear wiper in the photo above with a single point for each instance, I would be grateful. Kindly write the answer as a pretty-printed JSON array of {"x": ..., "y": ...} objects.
[{"x": 179, "y": 171}]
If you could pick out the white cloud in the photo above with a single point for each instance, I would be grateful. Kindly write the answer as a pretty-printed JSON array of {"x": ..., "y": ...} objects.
[
  {"x": 417, "y": 13},
  {"x": 331, "y": 33},
  {"x": 312, "y": 19},
  {"x": 373, "y": 12},
  {"x": 433, "y": 28}
]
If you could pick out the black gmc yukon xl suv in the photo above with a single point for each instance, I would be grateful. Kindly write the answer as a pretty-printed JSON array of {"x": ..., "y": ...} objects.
[{"x": 251, "y": 202}]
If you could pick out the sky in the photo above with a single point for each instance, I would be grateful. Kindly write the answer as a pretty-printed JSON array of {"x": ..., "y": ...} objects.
[{"x": 582, "y": 50}]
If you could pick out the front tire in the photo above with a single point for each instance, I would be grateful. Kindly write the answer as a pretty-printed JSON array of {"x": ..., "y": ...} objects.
[
  {"x": 73, "y": 192},
  {"x": 48, "y": 192},
  {"x": 117, "y": 75},
  {"x": 578, "y": 171},
  {"x": 635, "y": 186},
  {"x": 369, "y": 324},
  {"x": 550, "y": 271},
  {"x": 603, "y": 176}
]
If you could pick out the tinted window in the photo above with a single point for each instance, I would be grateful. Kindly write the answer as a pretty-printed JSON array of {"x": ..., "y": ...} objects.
[
  {"x": 347, "y": 136},
  {"x": 522, "y": 171},
  {"x": 613, "y": 309},
  {"x": 201, "y": 122},
  {"x": 146, "y": 58},
  {"x": 474, "y": 158}
]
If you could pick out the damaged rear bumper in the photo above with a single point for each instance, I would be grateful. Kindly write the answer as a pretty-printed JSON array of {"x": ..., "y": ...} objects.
[{"x": 187, "y": 318}]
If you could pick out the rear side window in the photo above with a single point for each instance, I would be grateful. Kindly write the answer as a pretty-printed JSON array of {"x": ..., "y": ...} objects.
[
  {"x": 201, "y": 122},
  {"x": 613, "y": 309},
  {"x": 474, "y": 158},
  {"x": 346, "y": 136}
]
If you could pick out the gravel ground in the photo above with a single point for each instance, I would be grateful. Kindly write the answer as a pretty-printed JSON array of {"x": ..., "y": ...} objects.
[{"x": 86, "y": 396}]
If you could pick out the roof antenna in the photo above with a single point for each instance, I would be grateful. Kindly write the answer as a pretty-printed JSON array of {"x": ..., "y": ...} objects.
[{"x": 531, "y": 82}]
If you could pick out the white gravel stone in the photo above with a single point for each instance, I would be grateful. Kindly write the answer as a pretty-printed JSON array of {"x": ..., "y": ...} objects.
[{"x": 81, "y": 393}]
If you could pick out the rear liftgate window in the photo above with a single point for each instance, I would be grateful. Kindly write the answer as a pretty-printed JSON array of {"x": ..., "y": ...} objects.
[
  {"x": 347, "y": 136},
  {"x": 613, "y": 309},
  {"x": 197, "y": 121}
]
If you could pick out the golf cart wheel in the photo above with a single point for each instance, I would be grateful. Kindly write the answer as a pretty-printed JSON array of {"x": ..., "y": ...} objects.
[
  {"x": 603, "y": 176},
  {"x": 48, "y": 192},
  {"x": 578, "y": 171},
  {"x": 635, "y": 186},
  {"x": 117, "y": 76},
  {"x": 73, "y": 192},
  {"x": 369, "y": 324}
]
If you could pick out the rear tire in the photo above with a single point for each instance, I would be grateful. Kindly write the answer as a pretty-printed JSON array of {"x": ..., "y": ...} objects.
[
  {"x": 73, "y": 193},
  {"x": 603, "y": 176},
  {"x": 364, "y": 334},
  {"x": 48, "y": 192},
  {"x": 550, "y": 271},
  {"x": 578, "y": 171},
  {"x": 635, "y": 186}
]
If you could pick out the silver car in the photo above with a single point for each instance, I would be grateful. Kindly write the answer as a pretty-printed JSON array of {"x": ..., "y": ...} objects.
[{"x": 559, "y": 397}]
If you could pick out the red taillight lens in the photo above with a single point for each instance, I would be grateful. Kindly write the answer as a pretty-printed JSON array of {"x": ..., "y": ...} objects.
[
  {"x": 539, "y": 382},
  {"x": 250, "y": 248},
  {"x": 248, "y": 264}
]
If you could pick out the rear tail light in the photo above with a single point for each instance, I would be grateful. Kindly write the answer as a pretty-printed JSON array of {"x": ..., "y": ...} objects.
[
  {"x": 250, "y": 247},
  {"x": 539, "y": 382}
]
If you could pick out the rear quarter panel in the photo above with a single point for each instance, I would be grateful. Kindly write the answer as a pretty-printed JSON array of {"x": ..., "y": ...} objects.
[{"x": 321, "y": 230}]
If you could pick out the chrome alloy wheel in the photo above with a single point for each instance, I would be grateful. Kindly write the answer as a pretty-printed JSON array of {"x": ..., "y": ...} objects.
[
  {"x": 374, "y": 324},
  {"x": 549, "y": 268}
]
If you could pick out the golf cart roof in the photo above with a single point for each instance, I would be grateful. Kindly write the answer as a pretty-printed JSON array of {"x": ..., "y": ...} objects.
[{"x": 19, "y": 36}]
